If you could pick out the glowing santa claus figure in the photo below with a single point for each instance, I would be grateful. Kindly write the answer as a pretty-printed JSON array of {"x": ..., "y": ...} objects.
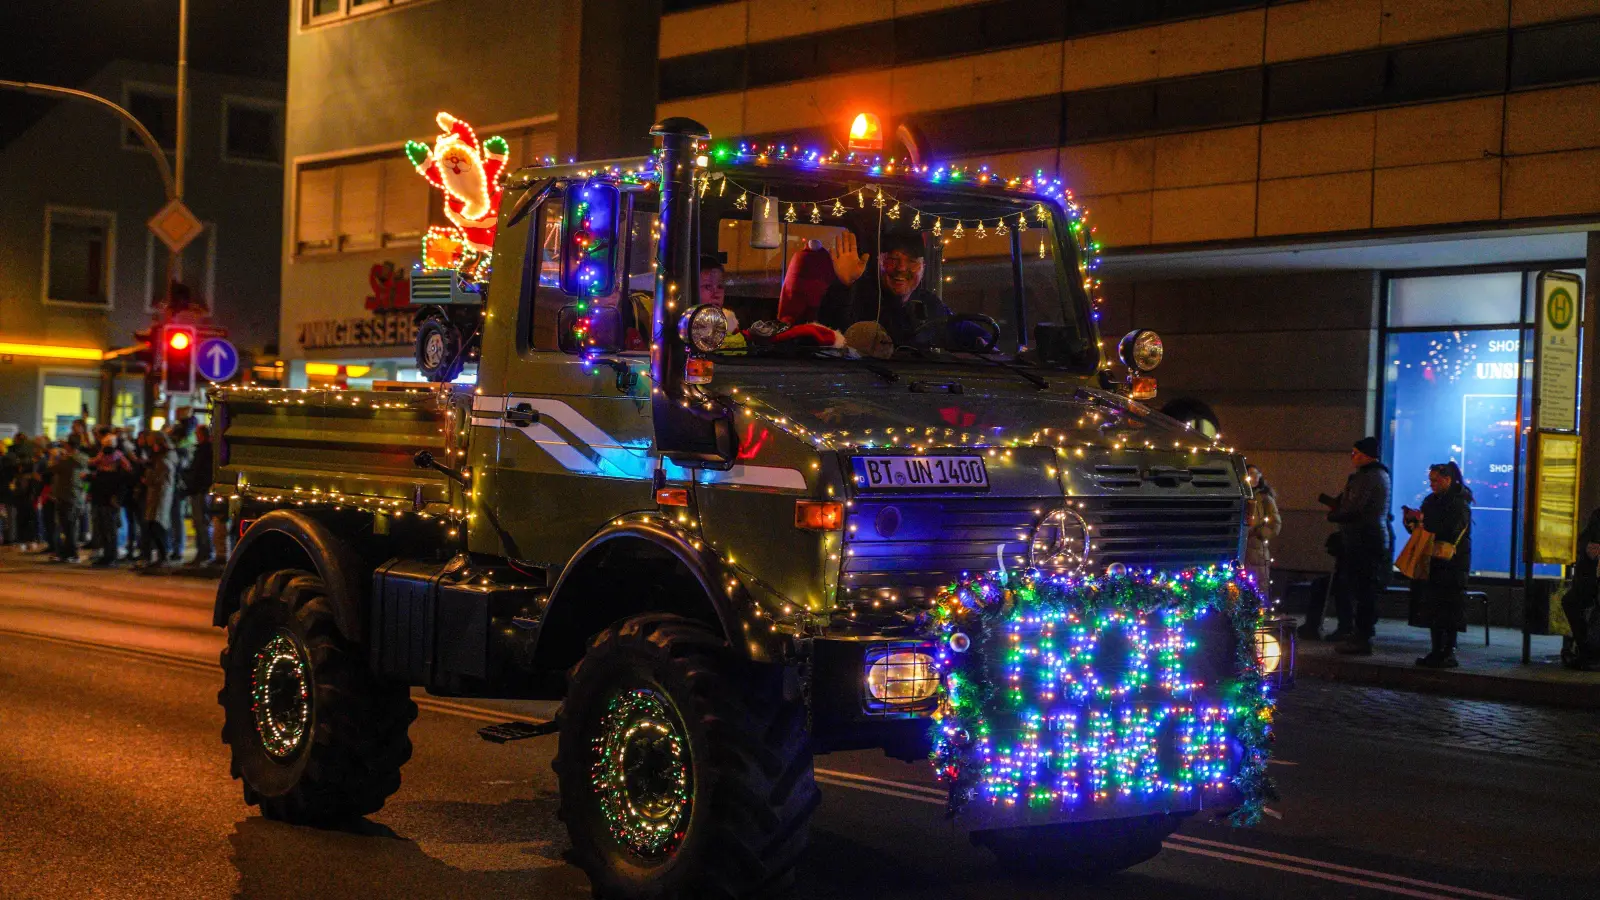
[{"x": 469, "y": 174}]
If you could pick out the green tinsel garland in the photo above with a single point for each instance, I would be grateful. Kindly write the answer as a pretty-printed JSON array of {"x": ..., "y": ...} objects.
[{"x": 975, "y": 613}]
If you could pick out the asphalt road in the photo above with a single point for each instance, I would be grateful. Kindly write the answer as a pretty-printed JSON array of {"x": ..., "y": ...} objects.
[{"x": 114, "y": 783}]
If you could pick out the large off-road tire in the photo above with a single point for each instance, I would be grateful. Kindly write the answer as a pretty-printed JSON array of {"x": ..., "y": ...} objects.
[
  {"x": 440, "y": 350},
  {"x": 1080, "y": 849},
  {"x": 315, "y": 736},
  {"x": 684, "y": 771}
]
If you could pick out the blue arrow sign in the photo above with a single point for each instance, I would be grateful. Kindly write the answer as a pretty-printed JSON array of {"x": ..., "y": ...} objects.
[{"x": 216, "y": 360}]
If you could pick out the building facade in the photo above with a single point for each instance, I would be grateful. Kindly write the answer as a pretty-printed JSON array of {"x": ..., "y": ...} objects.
[
  {"x": 1317, "y": 202},
  {"x": 78, "y": 267},
  {"x": 1332, "y": 209}
]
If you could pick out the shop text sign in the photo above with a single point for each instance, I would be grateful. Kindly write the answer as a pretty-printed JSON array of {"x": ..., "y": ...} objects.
[
  {"x": 1560, "y": 296},
  {"x": 389, "y": 323},
  {"x": 384, "y": 330}
]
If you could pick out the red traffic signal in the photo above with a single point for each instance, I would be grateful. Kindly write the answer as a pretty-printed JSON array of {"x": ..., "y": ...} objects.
[{"x": 177, "y": 346}]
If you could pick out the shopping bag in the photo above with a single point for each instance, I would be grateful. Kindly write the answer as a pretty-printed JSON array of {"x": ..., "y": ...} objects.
[{"x": 1417, "y": 555}]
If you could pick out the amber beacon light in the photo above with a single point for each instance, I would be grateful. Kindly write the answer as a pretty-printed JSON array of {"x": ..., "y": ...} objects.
[{"x": 866, "y": 133}]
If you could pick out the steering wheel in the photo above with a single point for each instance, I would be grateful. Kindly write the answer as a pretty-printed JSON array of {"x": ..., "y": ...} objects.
[{"x": 973, "y": 332}]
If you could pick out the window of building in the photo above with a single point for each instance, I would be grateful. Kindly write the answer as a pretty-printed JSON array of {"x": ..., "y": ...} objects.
[
  {"x": 1458, "y": 370},
  {"x": 323, "y": 12},
  {"x": 365, "y": 205},
  {"x": 156, "y": 108},
  {"x": 251, "y": 130},
  {"x": 78, "y": 251},
  {"x": 378, "y": 201}
]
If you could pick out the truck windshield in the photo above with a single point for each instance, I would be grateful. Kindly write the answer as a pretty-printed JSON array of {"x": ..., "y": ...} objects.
[{"x": 894, "y": 272}]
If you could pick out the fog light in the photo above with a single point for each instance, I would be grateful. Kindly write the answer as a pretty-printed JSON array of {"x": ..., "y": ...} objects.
[
  {"x": 1275, "y": 650},
  {"x": 897, "y": 677}
]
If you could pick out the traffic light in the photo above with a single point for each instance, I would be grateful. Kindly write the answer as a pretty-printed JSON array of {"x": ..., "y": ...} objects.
[{"x": 177, "y": 348}]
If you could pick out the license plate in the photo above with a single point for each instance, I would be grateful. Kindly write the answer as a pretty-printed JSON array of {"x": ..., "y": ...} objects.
[{"x": 920, "y": 473}]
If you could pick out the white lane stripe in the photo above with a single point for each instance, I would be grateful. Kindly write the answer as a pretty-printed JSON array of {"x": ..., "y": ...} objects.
[
  {"x": 898, "y": 785},
  {"x": 925, "y": 794},
  {"x": 1313, "y": 873},
  {"x": 839, "y": 782},
  {"x": 1415, "y": 882}
]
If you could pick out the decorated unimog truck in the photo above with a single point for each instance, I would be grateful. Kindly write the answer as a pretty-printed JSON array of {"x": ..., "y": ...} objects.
[{"x": 875, "y": 485}]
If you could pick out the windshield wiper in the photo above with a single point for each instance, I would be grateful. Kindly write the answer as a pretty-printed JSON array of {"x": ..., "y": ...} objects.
[
  {"x": 1037, "y": 381},
  {"x": 884, "y": 372}
]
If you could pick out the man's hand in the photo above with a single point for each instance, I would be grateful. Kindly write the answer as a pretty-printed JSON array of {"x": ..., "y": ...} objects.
[
  {"x": 1593, "y": 551},
  {"x": 847, "y": 264}
]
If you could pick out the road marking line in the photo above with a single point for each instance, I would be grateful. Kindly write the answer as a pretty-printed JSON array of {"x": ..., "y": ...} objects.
[
  {"x": 919, "y": 798},
  {"x": 1417, "y": 882},
  {"x": 898, "y": 785},
  {"x": 141, "y": 653},
  {"x": 1313, "y": 873}
]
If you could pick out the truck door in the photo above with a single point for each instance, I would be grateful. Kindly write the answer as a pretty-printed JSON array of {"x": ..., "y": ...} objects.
[{"x": 575, "y": 439}]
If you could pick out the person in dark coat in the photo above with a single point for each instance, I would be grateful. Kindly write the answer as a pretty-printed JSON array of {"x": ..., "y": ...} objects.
[
  {"x": 68, "y": 467},
  {"x": 160, "y": 482},
  {"x": 108, "y": 472},
  {"x": 197, "y": 486},
  {"x": 1366, "y": 542},
  {"x": 1446, "y": 513},
  {"x": 1580, "y": 599}
]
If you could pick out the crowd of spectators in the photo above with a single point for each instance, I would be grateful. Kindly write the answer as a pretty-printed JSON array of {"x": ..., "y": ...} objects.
[{"x": 126, "y": 496}]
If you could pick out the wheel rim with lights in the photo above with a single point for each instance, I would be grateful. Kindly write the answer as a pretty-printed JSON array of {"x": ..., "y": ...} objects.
[
  {"x": 280, "y": 695},
  {"x": 642, "y": 773},
  {"x": 433, "y": 351}
]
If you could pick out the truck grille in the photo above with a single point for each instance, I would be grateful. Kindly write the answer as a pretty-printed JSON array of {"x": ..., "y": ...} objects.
[
  {"x": 914, "y": 546},
  {"x": 1163, "y": 532},
  {"x": 910, "y": 548}
]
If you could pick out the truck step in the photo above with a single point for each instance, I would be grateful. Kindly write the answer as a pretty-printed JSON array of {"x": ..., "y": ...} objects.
[{"x": 506, "y": 732}]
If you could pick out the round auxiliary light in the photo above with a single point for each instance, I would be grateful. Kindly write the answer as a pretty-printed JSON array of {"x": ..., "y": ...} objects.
[
  {"x": 704, "y": 328},
  {"x": 1141, "y": 350}
]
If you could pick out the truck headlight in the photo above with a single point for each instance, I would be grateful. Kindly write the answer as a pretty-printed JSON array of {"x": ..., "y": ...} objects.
[{"x": 897, "y": 676}]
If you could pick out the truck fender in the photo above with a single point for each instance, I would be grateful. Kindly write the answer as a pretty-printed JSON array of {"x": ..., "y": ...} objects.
[
  {"x": 284, "y": 539},
  {"x": 564, "y": 629}
]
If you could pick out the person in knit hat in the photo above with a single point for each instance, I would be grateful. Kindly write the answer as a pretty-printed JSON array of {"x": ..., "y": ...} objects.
[{"x": 1366, "y": 544}]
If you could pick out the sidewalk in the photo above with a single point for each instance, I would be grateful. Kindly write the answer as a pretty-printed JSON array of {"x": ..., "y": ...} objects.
[{"x": 1494, "y": 672}]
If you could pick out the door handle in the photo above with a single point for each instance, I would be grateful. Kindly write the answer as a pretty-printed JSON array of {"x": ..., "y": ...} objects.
[{"x": 521, "y": 414}]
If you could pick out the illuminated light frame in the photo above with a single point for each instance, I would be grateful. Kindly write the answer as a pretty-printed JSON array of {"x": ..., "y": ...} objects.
[
  {"x": 473, "y": 215},
  {"x": 1024, "y": 720}
]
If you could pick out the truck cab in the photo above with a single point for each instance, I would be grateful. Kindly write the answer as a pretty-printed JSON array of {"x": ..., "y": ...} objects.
[{"x": 714, "y": 526}]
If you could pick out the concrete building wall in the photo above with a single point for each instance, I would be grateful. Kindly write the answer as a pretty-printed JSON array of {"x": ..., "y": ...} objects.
[
  {"x": 74, "y": 158},
  {"x": 1285, "y": 361}
]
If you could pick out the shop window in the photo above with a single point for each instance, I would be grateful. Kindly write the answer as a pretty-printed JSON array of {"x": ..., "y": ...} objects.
[
  {"x": 78, "y": 256},
  {"x": 1455, "y": 300},
  {"x": 1451, "y": 391},
  {"x": 251, "y": 131}
]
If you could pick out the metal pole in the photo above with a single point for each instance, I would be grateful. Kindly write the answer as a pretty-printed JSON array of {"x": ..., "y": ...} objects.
[
  {"x": 168, "y": 183},
  {"x": 181, "y": 138}
]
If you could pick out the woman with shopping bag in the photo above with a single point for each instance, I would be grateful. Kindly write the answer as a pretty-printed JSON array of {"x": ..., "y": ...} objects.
[{"x": 1437, "y": 558}]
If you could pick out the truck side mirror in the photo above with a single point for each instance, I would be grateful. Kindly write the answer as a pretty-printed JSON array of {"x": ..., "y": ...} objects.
[
  {"x": 598, "y": 328},
  {"x": 590, "y": 218}
]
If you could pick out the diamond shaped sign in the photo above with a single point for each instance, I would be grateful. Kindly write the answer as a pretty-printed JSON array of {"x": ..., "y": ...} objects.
[{"x": 175, "y": 225}]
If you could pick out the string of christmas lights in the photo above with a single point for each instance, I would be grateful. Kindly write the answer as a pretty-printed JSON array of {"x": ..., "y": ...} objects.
[{"x": 1024, "y": 716}]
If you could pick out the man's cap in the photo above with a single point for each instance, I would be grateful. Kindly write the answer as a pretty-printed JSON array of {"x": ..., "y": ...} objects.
[
  {"x": 907, "y": 242},
  {"x": 1367, "y": 446}
]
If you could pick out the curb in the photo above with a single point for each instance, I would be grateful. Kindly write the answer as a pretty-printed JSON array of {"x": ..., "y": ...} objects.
[{"x": 1452, "y": 683}]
